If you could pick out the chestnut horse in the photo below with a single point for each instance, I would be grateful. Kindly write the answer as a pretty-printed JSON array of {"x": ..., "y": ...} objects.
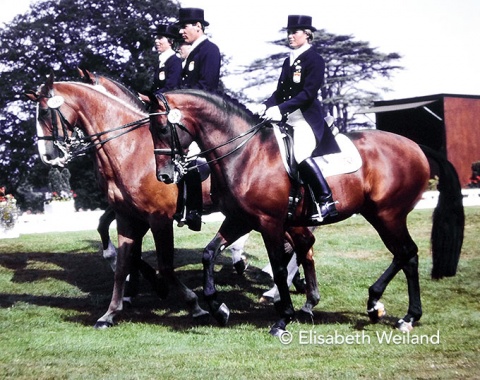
[
  {"x": 252, "y": 187},
  {"x": 74, "y": 117}
]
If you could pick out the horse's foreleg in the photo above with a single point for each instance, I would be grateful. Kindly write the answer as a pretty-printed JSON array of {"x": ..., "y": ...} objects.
[
  {"x": 279, "y": 261},
  {"x": 121, "y": 272},
  {"x": 210, "y": 253},
  {"x": 229, "y": 232},
  {"x": 164, "y": 243},
  {"x": 303, "y": 241},
  {"x": 312, "y": 292},
  {"x": 130, "y": 234}
]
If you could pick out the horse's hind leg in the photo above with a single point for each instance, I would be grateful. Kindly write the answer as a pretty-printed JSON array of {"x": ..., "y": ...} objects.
[
  {"x": 414, "y": 313},
  {"x": 405, "y": 253}
]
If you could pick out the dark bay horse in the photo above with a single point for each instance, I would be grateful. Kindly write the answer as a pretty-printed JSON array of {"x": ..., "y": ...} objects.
[
  {"x": 117, "y": 132},
  {"x": 252, "y": 187}
]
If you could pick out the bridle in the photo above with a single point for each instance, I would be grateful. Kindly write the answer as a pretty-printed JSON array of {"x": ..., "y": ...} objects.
[
  {"x": 78, "y": 144},
  {"x": 180, "y": 160}
]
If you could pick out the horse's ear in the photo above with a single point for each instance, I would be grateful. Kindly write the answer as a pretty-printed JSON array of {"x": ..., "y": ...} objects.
[
  {"x": 32, "y": 95},
  {"x": 81, "y": 72},
  {"x": 87, "y": 76},
  {"x": 145, "y": 98},
  {"x": 50, "y": 80}
]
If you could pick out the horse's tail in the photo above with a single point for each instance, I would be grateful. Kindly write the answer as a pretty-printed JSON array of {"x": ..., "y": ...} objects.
[{"x": 448, "y": 218}]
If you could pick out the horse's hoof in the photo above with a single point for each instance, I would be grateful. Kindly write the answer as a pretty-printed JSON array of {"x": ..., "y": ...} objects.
[
  {"x": 277, "y": 331},
  {"x": 241, "y": 266},
  {"x": 162, "y": 288},
  {"x": 377, "y": 312},
  {"x": 305, "y": 315},
  {"x": 102, "y": 325},
  {"x": 404, "y": 327},
  {"x": 202, "y": 319},
  {"x": 279, "y": 328},
  {"x": 222, "y": 315},
  {"x": 265, "y": 300},
  {"x": 127, "y": 302}
]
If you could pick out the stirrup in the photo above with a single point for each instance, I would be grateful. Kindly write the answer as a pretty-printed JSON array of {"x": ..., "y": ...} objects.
[
  {"x": 324, "y": 210},
  {"x": 329, "y": 209}
]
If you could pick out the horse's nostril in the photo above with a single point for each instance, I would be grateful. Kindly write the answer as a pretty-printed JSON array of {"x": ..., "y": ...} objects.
[{"x": 165, "y": 178}]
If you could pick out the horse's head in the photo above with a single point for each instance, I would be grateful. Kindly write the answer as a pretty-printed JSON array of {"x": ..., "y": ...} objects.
[
  {"x": 55, "y": 124},
  {"x": 171, "y": 138}
]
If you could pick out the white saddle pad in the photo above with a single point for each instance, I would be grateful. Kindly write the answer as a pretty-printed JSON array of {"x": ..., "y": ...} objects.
[{"x": 347, "y": 161}]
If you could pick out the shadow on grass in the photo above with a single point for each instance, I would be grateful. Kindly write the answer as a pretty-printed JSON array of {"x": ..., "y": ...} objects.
[{"x": 92, "y": 276}]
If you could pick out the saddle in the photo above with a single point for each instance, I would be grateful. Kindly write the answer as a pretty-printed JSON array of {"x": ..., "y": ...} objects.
[{"x": 348, "y": 160}]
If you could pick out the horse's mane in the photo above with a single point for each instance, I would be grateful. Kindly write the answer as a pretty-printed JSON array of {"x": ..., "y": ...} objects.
[
  {"x": 127, "y": 91},
  {"x": 130, "y": 93},
  {"x": 222, "y": 101},
  {"x": 133, "y": 106}
]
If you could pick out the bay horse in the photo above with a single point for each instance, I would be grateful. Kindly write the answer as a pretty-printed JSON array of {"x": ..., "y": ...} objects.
[
  {"x": 252, "y": 187},
  {"x": 71, "y": 114},
  {"x": 109, "y": 251}
]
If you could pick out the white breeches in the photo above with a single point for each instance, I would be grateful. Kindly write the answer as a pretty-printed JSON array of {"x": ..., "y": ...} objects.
[{"x": 304, "y": 141}]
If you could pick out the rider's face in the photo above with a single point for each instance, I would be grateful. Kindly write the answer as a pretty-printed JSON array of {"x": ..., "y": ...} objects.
[
  {"x": 297, "y": 38},
  {"x": 190, "y": 32}
]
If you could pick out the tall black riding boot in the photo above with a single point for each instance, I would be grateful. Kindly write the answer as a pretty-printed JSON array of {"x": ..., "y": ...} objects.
[
  {"x": 194, "y": 202},
  {"x": 313, "y": 177}
]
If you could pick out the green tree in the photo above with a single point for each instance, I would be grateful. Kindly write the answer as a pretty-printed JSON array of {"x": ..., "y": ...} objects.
[
  {"x": 112, "y": 37},
  {"x": 351, "y": 68}
]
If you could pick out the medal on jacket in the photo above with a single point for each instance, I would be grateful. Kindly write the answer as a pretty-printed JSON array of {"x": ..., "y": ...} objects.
[
  {"x": 191, "y": 66},
  {"x": 297, "y": 75},
  {"x": 161, "y": 75}
]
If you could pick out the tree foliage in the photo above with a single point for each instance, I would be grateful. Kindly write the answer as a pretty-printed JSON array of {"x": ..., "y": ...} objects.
[
  {"x": 351, "y": 67},
  {"x": 115, "y": 38},
  {"x": 112, "y": 37}
]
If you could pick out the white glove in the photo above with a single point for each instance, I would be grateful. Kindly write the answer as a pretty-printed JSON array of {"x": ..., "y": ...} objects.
[
  {"x": 273, "y": 113},
  {"x": 259, "y": 109}
]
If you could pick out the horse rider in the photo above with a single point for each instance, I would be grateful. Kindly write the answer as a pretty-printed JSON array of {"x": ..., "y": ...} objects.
[
  {"x": 201, "y": 71},
  {"x": 295, "y": 102},
  {"x": 168, "y": 72}
]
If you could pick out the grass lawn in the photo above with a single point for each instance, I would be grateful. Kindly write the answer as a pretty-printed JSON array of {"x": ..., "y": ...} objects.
[{"x": 54, "y": 286}]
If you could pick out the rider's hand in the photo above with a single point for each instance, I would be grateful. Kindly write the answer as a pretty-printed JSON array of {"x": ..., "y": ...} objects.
[
  {"x": 273, "y": 114},
  {"x": 259, "y": 109}
]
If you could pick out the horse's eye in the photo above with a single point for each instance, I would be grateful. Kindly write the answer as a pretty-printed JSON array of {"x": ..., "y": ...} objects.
[{"x": 43, "y": 112}]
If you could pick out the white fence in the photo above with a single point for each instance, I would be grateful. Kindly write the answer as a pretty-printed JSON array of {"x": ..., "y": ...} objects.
[
  {"x": 471, "y": 197},
  {"x": 88, "y": 220}
]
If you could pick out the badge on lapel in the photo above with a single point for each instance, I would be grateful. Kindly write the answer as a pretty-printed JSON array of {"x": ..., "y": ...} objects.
[{"x": 297, "y": 74}]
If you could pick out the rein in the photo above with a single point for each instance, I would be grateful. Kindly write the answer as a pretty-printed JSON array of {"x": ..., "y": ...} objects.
[
  {"x": 176, "y": 147},
  {"x": 83, "y": 143}
]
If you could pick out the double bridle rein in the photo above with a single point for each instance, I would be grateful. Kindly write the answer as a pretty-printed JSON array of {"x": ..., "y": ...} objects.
[
  {"x": 78, "y": 144},
  {"x": 179, "y": 157}
]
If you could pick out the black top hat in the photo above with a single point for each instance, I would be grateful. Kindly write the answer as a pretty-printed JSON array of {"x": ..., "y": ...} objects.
[
  {"x": 168, "y": 31},
  {"x": 300, "y": 22},
  {"x": 189, "y": 15}
]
